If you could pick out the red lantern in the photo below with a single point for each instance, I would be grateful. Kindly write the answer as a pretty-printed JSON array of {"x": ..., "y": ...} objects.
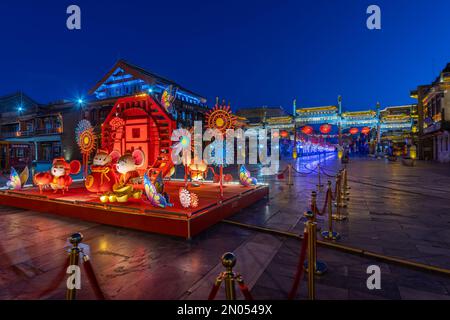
[
  {"x": 365, "y": 130},
  {"x": 307, "y": 130},
  {"x": 354, "y": 130},
  {"x": 284, "y": 134},
  {"x": 325, "y": 128}
]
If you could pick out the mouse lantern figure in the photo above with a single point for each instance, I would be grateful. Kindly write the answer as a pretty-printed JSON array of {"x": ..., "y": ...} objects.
[
  {"x": 102, "y": 177},
  {"x": 127, "y": 166},
  {"x": 58, "y": 178}
]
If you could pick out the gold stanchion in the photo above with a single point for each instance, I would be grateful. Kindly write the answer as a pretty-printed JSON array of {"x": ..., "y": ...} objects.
[
  {"x": 338, "y": 199},
  {"x": 321, "y": 267},
  {"x": 290, "y": 183},
  {"x": 74, "y": 258},
  {"x": 229, "y": 261},
  {"x": 330, "y": 234},
  {"x": 314, "y": 203},
  {"x": 346, "y": 186},
  {"x": 319, "y": 184},
  {"x": 343, "y": 198},
  {"x": 311, "y": 229}
]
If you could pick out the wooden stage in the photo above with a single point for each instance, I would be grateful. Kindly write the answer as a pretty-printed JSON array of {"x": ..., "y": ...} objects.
[{"x": 137, "y": 214}]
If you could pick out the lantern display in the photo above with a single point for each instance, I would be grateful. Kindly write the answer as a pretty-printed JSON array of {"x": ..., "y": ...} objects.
[
  {"x": 325, "y": 128},
  {"x": 354, "y": 130},
  {"x": 365, "y": 130},
  {"x": 307, "y": 130}
]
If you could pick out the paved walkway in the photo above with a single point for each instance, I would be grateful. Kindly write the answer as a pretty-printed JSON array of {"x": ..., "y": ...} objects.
[{"x": 394, "y": 210}]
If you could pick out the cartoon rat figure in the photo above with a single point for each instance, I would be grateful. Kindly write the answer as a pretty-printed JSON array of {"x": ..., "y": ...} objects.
[
  {"x": 102, "y": 177},
  {"x": 59, "y": 175},
  {"x": 127, "y": 167}
]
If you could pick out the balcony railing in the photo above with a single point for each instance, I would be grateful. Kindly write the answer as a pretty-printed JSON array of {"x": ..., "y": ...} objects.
[{"x": 30, "y": 133}]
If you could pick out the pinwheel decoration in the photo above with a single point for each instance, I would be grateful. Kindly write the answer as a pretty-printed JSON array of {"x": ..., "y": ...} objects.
[
  {"x": 86, "y": 140},
  {"x": 183, "y": 136},
  {"x": 188, "y": 199},
  {"x": 245, "y": 177},
  {"x": 16, "y": 181},
  {"x": 222, "y": 119},
  {"x": 155, "y": 198}
]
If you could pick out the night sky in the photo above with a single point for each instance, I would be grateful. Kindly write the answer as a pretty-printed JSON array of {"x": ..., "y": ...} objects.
[{"x": 251, "y": 53}]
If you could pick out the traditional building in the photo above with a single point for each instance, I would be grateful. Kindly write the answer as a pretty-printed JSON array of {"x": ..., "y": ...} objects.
[
  {"x": 434, "y": 118},
  {"x": 29, "y": 131},
  {"x": 262, "y": 117},
  {"x": 39, "y": 133},
  {"x": 125, "y": 79}
]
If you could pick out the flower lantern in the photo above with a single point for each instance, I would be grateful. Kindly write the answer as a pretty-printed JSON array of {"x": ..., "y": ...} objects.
[{"x": 325, "y": 128}]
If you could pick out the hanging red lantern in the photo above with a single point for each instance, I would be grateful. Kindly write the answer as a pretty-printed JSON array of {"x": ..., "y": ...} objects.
[
  {"x": 354, "y": 130},
  {"x": 307, "y": 130},
  {"x": 365, "y": 130},
  {"x": 284, "y": 134},
  {"x": 325, "y": 128}
]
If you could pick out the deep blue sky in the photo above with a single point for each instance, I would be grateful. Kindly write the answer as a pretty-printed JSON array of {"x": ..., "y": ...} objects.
[{"x": 250, "y": 52}]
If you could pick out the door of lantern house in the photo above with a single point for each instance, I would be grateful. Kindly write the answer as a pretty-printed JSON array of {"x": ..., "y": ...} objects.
[{"x": 137, "y": 137}]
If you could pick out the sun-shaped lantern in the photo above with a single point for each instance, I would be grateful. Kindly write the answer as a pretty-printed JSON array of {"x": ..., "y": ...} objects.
[
  {"x": 220, "y": 118},
  {"x": 86, "y": 140}
]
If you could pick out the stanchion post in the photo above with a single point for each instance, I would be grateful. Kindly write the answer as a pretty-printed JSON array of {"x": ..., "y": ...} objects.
[
  {"x": 290, "y": 183},
  {"x": 320, "y": 266},
  {"x": 319, "y": 185},
  {"x": 347, "y": 187},
  {"x": 330, "y": 234},
  {"x": 74, "y": 258},
  {"x": 342, "y": 192},
  {"x": 311, "y": 227},
  {"x": 229, "y": 261},
  {"x": 314, "y": 203},
  {"x": 338, "y": 199}
]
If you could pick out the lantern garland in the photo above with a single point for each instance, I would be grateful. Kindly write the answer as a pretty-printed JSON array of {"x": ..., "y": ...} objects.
[{"x": 86, "y": 140}]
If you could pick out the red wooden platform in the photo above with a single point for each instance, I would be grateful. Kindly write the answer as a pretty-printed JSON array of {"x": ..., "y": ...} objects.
[{"x": 136, "y": 214}]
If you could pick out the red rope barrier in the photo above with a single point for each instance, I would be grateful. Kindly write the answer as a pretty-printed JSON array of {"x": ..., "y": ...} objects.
[
  {"x": 316, "y": 210},
  {"x": 56, "y": 280},
  {"x": 215, "y": 289},
  {"x": 92, "y": 278},
  {"x": 244, "y": 290},
  {"x": 300, "y": 268}
]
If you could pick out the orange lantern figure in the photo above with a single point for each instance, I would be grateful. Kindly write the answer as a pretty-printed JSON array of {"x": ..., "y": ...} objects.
[
  {"x": 354, "y": 130},
  {"x": 365, "y": 130},
  {"x": 325, "y": 128},
  {"x": 307, "y": 130},
  {"x": 284, "y": 134}
]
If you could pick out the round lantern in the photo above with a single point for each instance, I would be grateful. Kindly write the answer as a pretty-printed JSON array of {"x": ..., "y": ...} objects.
[
  {"x": 284, "y": 134},
  {"x": 365, "y": 130},
  {"x": 325, "y": 128},
  {"x": 354, "y": 130},
  {"x": 307, "y": 130}
]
